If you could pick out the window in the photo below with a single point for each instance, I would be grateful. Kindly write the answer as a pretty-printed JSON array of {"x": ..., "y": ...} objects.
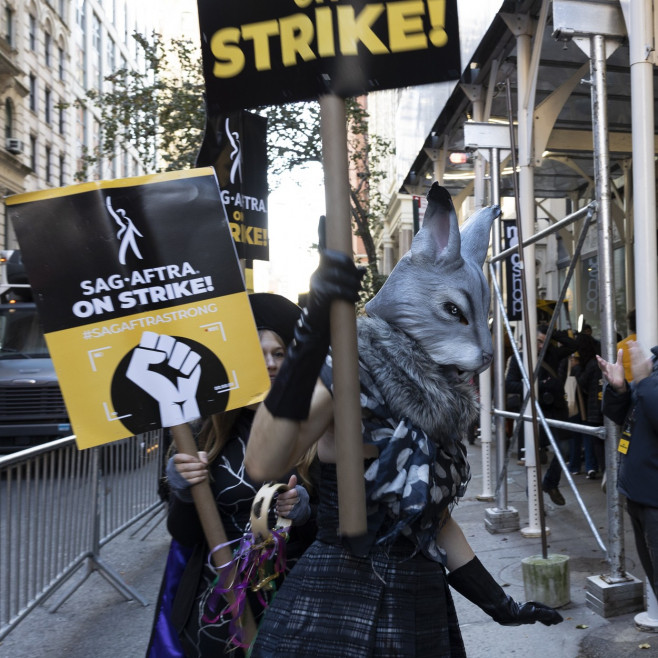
[
  {"x": 47, "y": 47},
  {"x": 9, "y": 25},
  {"x": 60, "y": 60},
  {"x": 97, "y": 53},
  {"x": 48, "y": 103},
  {"x": 33, "y": 92},
  {"x": 80, "y": 57},
  {"x": 96, "y": 144},
  {"x": 110, "y": 10},
  {"x": 96, "y": 33},
  {"x": 81, "y": 129},
  {"x": 61, "y": 121},
  {"x": 111, "y": 56},
  {"x": 49, "y": 173},
  {"x": 61, "y": 171},
  {"x": 80, "y": 14},
  {"x": 33, "y": 33},
  {"x": 9, "y": 119},
  {"x": 33, "y": 152},
  {"x": 81, "y": 66}
]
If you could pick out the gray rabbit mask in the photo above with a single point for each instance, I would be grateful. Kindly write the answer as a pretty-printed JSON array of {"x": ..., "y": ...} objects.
[{"x": 437, "y": 293}]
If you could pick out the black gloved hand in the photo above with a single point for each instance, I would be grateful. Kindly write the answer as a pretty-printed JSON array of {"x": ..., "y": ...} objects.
[
  {"x": 336, "y": 278},
  {"x": 475, "y": 583}
]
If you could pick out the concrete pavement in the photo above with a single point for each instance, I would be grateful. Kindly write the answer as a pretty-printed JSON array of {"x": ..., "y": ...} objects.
[
  {"x": 583, "y": 633},
  {"x": 97, "y": 622}
]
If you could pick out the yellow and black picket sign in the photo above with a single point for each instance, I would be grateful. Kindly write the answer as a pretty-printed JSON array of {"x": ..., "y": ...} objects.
[
  {"x": 267, "y": 53},
  {"x": 235, "y": 144},
  {"x": 143, "y": 304}
]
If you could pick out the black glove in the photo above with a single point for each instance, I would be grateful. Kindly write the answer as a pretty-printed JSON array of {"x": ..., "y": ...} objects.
[
  {"x": 475, "y": 583},
  {"x": 336, "y": 278}
]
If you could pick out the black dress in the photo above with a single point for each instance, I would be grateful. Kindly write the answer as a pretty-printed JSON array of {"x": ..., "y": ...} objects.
[
  {"x": 394, "y": 602},
  {"x": 388, "y": 596},
  {"x": 201, "y": 630}
]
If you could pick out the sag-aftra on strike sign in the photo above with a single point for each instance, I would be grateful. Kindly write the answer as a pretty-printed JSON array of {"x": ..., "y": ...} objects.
[
  {"x": 279, "y": 51},
  {"x": 142, "y": 301}
]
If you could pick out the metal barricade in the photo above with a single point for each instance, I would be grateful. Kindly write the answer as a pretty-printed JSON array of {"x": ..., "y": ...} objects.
[{"x": 59, "y": 505}]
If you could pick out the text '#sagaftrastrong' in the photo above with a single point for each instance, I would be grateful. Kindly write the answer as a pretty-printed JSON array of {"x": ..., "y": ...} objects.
[{"x": 149, "y": 321}]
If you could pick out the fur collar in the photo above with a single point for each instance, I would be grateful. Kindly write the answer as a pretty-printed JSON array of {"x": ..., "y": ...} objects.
[{"x": 412, "y": 384}]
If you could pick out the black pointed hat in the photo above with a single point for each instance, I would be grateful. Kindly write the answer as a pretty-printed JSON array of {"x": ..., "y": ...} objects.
[{"x": 276, "y": 313}]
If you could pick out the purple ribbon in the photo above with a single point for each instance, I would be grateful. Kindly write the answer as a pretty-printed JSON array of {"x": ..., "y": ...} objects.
[{"x": 246, "y": 570}]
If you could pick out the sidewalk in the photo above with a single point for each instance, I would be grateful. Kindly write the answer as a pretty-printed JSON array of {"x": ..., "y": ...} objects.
[
  {"x": 97, "y": 622},
  {"x": 583, "y": 633}
]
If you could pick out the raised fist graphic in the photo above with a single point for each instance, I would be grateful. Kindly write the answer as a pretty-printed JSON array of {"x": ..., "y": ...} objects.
[{"x": 177, "y": 401}]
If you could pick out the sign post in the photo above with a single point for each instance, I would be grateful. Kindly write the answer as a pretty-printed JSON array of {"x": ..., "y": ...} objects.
[
  {"x": 349, "y": 450},
  {"x": 213, "y": 528},
  {"x": 257, "y": 53}
]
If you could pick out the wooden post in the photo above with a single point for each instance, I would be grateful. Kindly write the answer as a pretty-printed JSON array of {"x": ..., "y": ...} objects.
[
  {"x": 347, "y": 421},
  {"x": 213, "y": 528}
]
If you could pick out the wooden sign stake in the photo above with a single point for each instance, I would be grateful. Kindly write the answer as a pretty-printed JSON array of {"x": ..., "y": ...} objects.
[
  {"x": 213, "y": 528},
  {"x": 349, "y": 441}
]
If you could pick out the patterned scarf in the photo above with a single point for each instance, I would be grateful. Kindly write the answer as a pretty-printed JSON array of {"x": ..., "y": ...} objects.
[{"x": 416, "y": 417}]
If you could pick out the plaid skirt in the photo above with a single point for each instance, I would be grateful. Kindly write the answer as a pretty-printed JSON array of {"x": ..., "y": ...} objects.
[{"x": 386, "y": 605}]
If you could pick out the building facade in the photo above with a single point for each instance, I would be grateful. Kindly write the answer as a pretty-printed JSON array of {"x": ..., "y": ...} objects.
[{"x": 52, "y": 52}]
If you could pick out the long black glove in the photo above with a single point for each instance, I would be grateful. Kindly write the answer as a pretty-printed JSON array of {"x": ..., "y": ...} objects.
[
  {"x": 475, "y": 583},
  {"x": 336, "y": 278}
]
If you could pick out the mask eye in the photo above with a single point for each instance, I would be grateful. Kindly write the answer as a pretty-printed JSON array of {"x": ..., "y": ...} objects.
[{"x": 454, "y": 312}]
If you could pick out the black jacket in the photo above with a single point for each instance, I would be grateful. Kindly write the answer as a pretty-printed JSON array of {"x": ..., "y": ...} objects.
[
  {"x": 551, "y": 395},
  {"x": 636, "y": 410},
  {"x": 590, "y": 381}
]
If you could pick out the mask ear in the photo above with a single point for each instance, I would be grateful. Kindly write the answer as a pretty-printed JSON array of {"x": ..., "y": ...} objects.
[
  {"x": 438, "y": 239},
  {"x": 475, "y": 234}
]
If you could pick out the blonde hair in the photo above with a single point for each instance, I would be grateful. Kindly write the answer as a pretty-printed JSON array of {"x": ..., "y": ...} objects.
[
  {"x": 303, "y": 467},
  {"x": 216, "y": 431}
]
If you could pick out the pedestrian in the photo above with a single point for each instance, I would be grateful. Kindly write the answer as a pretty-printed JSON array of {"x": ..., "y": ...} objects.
[
  {"x": 577, "y": 415},
  {"x": 588, "y": 376},
  {"x": 586, "y": 330},
  {"x": 551, "y": 398},
  {"x": 634, "y": 406},
  {"x": 623, "y": 345},
  {"x": 190, "y": 619},
  {"x": 424, "y": 336}
]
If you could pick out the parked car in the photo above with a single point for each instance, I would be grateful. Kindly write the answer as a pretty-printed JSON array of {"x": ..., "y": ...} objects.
[{"x": 32, "y": 409}]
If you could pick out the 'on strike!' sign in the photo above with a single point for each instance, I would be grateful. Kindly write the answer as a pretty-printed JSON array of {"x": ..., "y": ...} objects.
[
  {"x": 142, "y": 300},
  {"x": 280, "y": 51}
]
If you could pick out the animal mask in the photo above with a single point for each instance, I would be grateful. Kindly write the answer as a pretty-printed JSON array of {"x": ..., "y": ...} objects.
[{"x": 437, "y": 293}]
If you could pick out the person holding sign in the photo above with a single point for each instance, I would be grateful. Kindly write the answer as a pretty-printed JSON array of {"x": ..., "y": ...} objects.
[
  {"x": 203, "y": 625},
  {"x": 634, "y": 406},
  {"x": 425, "y": 335}
]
